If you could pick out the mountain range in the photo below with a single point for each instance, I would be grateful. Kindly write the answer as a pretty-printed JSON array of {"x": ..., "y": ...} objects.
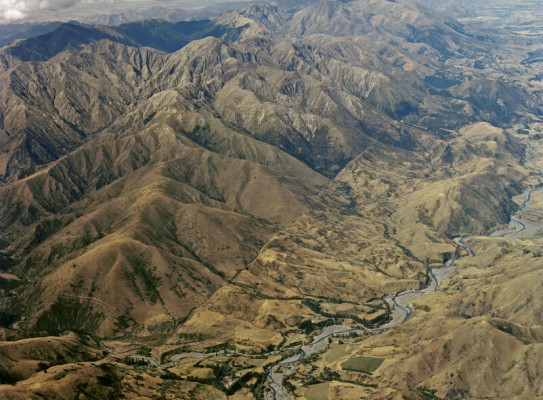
[{"x": 182, "y": 185}]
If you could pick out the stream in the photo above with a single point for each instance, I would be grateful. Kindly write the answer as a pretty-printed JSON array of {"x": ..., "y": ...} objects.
[
  {"x": 523, "y": 227},
  {"x": 401, "y": 303},
  {"x": 402, "y": 311}
]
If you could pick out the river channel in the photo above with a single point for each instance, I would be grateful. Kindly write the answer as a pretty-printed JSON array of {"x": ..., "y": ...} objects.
[
  {"x": 401, "y": 304},
  {"x": 523, "y": 227}
]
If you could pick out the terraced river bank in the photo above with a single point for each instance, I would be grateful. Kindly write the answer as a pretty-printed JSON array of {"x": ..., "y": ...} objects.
[
  {"x": 402, "y": 309},
  {"x": 402, "y": 301},
  {"x": 401, "y": 304},
  {"x": 521, "y": 226}
]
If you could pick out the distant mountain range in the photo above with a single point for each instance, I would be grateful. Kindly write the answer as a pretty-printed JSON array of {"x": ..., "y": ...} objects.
[
  {"x": 217, "y": 177},
  {"x": 13, "y": 31}
]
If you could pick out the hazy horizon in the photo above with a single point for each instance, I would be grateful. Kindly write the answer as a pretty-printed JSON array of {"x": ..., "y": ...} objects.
[{"x": 20, "y": 11}]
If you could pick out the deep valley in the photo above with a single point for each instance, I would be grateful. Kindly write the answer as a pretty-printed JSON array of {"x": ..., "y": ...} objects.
[{"x": 250, "y": 205}]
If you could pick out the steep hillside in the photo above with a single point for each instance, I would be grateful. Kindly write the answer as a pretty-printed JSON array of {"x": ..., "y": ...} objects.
[
  {"x": 175, "y": 190},
  {"x": 110, "y": 151},
  {"x": 41, "y": 48},
  {"x": 49, "y": 109}
]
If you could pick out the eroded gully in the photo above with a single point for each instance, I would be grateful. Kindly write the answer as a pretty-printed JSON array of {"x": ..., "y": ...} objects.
[{"x": 401, "y": 302}]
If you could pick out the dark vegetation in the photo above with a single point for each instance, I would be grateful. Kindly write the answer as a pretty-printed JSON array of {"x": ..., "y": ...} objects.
[
  {"x": 220, "y": 347},
  {"x": 69, "y": 314},
  {"x": 144, "y": 273},
  {"x": 223, "y": 371},
  {"x": 362, "y": 364},
  {"x": 307, "y": 326}
]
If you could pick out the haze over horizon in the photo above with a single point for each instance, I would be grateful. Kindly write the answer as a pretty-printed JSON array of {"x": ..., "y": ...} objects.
[
  {"x": 29, "y": 10},
  {"x": 95, "y": 12},
  {"x": 301, "y": 200}
]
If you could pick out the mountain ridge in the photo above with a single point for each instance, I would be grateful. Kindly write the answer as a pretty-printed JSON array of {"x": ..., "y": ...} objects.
[{"x": 246, "y": 182}]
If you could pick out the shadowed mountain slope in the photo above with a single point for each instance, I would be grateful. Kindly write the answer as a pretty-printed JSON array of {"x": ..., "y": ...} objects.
[
  {"x": 193, "y": 160},
  {"x": 245, "y": 181}
]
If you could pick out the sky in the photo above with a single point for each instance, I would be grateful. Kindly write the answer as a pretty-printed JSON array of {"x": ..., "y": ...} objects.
[
  {"x": 19, "y": 9},
  {"x": 16, "y": 10}
]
